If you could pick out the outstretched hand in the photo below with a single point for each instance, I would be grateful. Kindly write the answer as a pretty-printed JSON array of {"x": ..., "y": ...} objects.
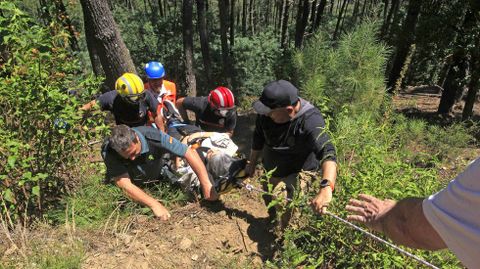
[{"x": 369, "y": 210}]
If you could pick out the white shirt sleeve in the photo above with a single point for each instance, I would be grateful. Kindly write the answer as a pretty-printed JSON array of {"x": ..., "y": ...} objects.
[{"x": 454, "y": 213}]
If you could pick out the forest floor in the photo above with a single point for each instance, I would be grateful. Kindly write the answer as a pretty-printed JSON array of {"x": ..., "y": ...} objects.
[{"x": 232, "y": 233}]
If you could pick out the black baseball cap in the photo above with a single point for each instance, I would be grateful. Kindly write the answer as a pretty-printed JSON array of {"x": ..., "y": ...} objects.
[{"x": 276, "y": 94}]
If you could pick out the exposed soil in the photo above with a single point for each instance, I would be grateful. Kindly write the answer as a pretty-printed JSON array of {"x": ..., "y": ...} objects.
[{"x": 231, "y": 233}]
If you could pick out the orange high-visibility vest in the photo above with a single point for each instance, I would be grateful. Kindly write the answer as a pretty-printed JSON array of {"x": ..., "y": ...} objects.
[{"x": 168, "y": 92}]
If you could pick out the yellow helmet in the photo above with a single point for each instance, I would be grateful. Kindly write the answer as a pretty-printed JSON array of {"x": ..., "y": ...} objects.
[{"x": 130, "y": 86}]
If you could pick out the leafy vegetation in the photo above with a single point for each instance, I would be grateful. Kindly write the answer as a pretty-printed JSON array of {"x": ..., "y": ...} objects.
[
  {"x": 40, "y": 136},
  {"x": 379, "y": 152}
]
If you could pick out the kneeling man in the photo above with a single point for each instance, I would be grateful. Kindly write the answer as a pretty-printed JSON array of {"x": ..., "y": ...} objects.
[{"x": 135, "y": 155}]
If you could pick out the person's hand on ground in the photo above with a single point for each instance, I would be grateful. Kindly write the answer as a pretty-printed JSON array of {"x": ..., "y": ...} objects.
[
  {"x": 210, "y": 194},
  {"x": 369, "y": 210},
  {"x": 161, "y": 212},
  {"x": 320, "y": 202}
]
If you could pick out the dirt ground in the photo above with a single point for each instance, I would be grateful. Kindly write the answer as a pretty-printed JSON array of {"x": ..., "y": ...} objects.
[{"x": 232, "y": 233}]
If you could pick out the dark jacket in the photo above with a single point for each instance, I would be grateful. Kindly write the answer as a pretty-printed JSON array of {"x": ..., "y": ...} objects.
[{"x": 300, "y": 144}]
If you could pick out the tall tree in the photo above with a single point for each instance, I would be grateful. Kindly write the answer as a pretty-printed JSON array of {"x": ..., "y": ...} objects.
[
  {"x": 319, "y": 14},
  {"x": 278, "y": 21},
  {"x": 187, "y": 30},
  {"x": 405, "y": 40},
  {"x": 453, "y": 82},
  {"x": 302, "y": 20},
  {"x": 252, "y": 16},
  {"x": 226, "y": 59},
  {"x": 204, "y": 44},
  {"x": 455, "y": 78},
  {"x": 286, "y": 13},
  {"x": 474, "y": 82},
  {"x": 244, "y": 17},
  {"x": 105, "y": 36},
  {"x": 394, "y": 7},
  {"x": 340, "y": 18},
  {"x": 92, "y": 49},
  {"x": 232, "y": 23}
]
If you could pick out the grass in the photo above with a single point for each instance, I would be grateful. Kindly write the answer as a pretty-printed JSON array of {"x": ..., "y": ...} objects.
[{"x": 57, "y": 256}]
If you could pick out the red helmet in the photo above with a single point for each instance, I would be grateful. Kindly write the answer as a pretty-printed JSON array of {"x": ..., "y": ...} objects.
[{"x": 220, "y": 98}]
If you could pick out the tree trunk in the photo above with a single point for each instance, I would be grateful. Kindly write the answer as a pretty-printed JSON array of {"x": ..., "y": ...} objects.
[
  {"x": 473, "y": 84},
  {"x": 339, "y": 19},
  {"x": 312, "y": 11},
  {"x": 227, "y": 66},
  {"x": 251, "y": 16},
  {"x": 385, "y": 8},
  {"x": 405, "y": 40},
  {"x": 286, "y": 13},
  {"x": 364, "y": 9},
  {"x": 387, "y": 22},
  {"x": 161, "y": 11},
  {"x": 474, "y": 63},
  {"x": 244, "y": 17},
  {"x": 318, "y": 17},
  {"x": 108, "y": 43},
  {"x": 92, "y": 50},
  {"x": 281, "y": 7},
  {"x": 452, "y": 83},
  {"x": 232, "y": 23},
  {"x": 204, "y": 44},
  {"x": 302, "y": 19},
  {"x": 355, "y": 11},
  {"x": 187, "y": 30},
  {"x": 268, "y": 13}
]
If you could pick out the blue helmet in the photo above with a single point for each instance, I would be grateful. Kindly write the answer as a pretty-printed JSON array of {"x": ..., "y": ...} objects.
[{"x": 154, "y": 70}]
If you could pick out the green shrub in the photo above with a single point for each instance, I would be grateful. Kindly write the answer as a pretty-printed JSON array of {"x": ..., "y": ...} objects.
[
  {"x": 255, "y": 59},
  {"x": 350, "y": 74},
  {"x": 40, "y": 134}
]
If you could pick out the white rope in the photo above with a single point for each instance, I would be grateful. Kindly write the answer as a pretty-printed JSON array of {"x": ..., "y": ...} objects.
[{"x": 253, "y": 188}]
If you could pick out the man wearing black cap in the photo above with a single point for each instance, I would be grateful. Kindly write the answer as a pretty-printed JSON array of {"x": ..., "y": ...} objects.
[{"x": 290, "y": 134}]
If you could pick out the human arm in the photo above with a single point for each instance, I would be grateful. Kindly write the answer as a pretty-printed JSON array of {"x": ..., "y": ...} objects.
[
  {"x": 198, "y": 167},
  {"x": 160, "y": 122},
  {"x": 182, "y": 110},
  {"x": 404, "y": 222},
  {"x": 231, "y": 123},
  {"x": 197, "y": 135},
  {"x": 258, "y": 141},
  {"x": 104, "y": 101},
  {"x": 139, "y": 196},
  {"x": 324, "y": 152},
  {"x": 324, "y": 196},
  {"x": 155, "y": 110},
  {"x": 88, "y": 106},
  {"x": 252, "y": 162}
]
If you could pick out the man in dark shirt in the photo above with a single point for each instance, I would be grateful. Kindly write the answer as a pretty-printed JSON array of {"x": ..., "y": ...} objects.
[
  {"x": 135, "y": 155},
  {"x": 215, "y": 113},
  {"x": 290, "y": 132},
  {"x": 129, "y": 102}
]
